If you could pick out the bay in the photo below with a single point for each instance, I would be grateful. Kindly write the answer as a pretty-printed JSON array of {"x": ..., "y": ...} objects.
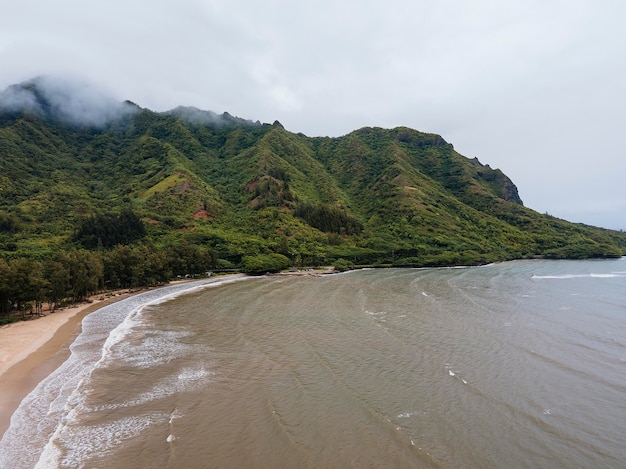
[{"x": 518, "y": 364}]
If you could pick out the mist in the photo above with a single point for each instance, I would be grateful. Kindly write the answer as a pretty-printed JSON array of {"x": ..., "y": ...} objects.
[
  {"x": 70, "y": 100},
  {"x": 197, "y": 117}
]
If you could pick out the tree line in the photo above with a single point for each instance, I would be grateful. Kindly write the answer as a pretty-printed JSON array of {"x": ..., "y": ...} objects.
[
  {"x": 110, "y": 229},
  {"x": 328, "y": 219},
  {"x": 69, "y": 277}
]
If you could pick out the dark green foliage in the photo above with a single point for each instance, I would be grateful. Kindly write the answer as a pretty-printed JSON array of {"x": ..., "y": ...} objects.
[
  {"x": 8, "y": 223},
  {"x": 72, "y": 276},
  {"x": 342, "y": 265},
  {"x": 26, "y": 283},
  {"x": 154, "y": 196},
  {"x": 328, "y": 219},
  {"x": 270, "y": 192},
  {"x": 110, "y": 229},
  {"x": 190, "y": 259},
  {"x": 264, "y": 263}
]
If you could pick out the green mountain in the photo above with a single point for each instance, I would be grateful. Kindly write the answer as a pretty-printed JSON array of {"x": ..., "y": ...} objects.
[{"x": 79, "y": 172}]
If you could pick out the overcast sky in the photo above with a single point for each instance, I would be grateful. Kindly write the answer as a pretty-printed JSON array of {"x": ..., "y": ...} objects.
[{"x": 536, "y": 88}]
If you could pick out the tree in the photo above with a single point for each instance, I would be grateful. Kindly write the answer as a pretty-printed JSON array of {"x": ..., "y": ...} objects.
[
  {"x": 190, "y": 259},
  {"x": 5, "y": 301},
  {"x": 86, "y": 272},
  {"x": 110, "y": 229},
  {"x": 263, "y": 263},
  {"x": 58, "y": 276},
  {"x": 122, "y": 268},
  {"x": 26, "y": 284}
]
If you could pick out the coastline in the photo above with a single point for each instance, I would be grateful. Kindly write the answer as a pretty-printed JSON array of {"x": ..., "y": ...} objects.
[{"x": 31, "y": 350}]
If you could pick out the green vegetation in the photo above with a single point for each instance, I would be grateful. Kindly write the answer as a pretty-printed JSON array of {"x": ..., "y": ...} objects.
[
  {"x": 264, "y": 263},
  {"x": 152, "y": 196},
  {"x": 109, "y": 230},
  {"x": 69, "y": 277},
  {"x": 328, "y": 219}
]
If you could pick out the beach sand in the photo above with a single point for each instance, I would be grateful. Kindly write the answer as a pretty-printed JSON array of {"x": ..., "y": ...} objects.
[{"x": 31, "y": 350}]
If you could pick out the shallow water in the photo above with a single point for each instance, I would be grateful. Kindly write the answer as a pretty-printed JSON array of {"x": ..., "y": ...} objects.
[{"x": 519, "y": 364}]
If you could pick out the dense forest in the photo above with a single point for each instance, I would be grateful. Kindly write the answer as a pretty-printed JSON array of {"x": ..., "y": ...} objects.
[{"x": 135, "y": 197}]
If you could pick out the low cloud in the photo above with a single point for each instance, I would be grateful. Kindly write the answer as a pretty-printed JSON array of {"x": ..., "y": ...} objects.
[
  {"x": 195, "y": 116},
  {"x": 70, "y": 100}
]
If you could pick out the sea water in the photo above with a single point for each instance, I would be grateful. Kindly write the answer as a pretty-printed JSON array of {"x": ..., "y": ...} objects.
[{"x": 518, "y": 364}]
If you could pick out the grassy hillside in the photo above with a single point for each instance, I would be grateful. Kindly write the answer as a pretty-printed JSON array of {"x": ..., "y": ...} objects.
[{"x": 232, "y": 191}]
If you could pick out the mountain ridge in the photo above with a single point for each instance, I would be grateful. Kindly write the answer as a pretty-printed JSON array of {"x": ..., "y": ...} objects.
[{"x": 240, "y": 188}]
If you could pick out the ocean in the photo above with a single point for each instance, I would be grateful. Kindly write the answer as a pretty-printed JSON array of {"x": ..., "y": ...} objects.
[{"x": 511, "y": 365}]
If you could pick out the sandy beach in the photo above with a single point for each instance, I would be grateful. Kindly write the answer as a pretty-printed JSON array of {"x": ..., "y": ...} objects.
[{"x": 30, "y": 350}]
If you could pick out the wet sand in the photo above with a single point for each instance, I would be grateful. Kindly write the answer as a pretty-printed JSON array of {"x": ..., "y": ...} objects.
[{"x": 31, "y": 350}]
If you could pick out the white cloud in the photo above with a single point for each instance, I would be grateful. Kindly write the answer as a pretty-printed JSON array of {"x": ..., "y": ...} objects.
[
  {"x": 532, "y": 87},
  {"x": 69, "y": 99}
]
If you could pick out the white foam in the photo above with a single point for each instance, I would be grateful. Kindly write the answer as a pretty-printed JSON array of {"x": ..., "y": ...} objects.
[
  {"x": 453, "y": 374},
  {"x": 118, "y": 335},
  {"x": 57, "y": 402},
  {"x": 187, "y": 380},
  {"x": 175, "y": 415},
  {"x": 158, "y": 349},
  {"x": 84, "y": 441},
  {"x": 191, "y": 375},
  {"x": 572, "y": 276}
]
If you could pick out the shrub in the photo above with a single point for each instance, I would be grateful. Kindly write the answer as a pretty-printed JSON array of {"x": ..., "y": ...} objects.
[{"x": 264, "y": 263}]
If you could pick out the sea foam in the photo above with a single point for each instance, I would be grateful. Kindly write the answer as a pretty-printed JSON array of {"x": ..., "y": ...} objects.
[
  {"x": 48, "y": 412},
  {"x": 572, "y": 276}
]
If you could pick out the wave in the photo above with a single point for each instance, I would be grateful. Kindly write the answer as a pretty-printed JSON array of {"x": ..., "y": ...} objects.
[
  {"x": 46, "y": 412},
  {"x": 572, "y": 276}
]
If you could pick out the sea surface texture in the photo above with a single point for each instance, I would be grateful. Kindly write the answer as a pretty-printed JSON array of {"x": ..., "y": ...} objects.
[{"x": 512, "y": 365}]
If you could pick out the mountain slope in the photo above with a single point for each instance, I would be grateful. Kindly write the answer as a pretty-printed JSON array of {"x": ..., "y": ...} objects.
[{"x": 241, "y": 188}]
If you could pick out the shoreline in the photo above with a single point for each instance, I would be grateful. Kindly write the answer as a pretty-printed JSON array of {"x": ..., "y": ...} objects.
[{"x": 31, "y": 350}]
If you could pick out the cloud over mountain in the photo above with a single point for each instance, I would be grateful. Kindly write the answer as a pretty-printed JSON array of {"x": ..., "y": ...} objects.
[{"x": 70, "y": 100}]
